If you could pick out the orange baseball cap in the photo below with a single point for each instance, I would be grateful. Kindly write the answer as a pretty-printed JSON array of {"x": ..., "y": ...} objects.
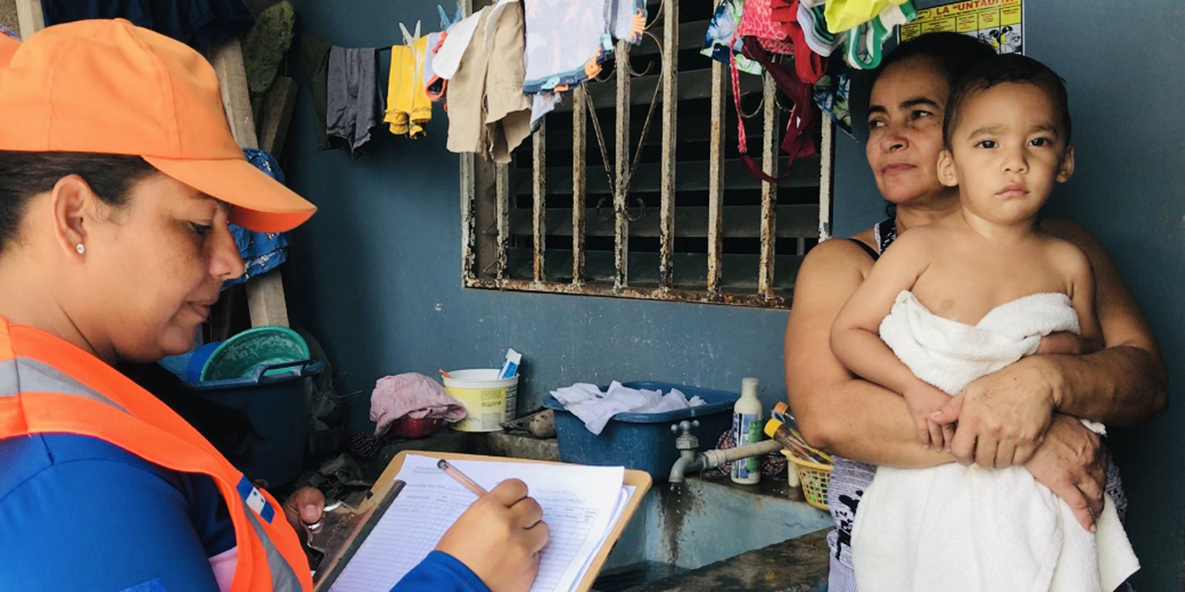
[
  {"x": 110, "y": 87},
  {"x": 8, "y": 46}
]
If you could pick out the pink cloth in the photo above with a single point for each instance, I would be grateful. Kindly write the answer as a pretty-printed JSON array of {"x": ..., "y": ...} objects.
[
  {"x": 223, "y": 565},
  {"x": 411, "y": 394}
]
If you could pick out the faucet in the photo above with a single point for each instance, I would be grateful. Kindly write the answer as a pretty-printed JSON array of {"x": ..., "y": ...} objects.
[{"x": 692, "y": 461}]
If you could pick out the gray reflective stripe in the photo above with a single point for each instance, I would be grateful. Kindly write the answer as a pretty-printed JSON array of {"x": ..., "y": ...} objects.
[
  {"x": 283, "y": 578},
  {"x": 24, "y": 374},
  {"x": 9, "y": 385}
]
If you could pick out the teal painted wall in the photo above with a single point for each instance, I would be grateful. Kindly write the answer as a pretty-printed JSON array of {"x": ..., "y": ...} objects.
[{"x": 376, "y": 274}]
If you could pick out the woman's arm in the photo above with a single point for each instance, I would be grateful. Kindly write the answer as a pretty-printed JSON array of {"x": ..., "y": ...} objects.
[
  {"x": 1127, "y": 382},
  {"x": 835, "y": 410}
]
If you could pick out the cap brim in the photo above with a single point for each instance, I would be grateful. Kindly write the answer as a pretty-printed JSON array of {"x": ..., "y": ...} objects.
[
  {"x": 8, "y": 47},
  {"x": 261, "y": 203}
]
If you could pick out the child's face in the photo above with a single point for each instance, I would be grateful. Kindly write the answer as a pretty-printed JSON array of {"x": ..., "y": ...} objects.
[{"x": 1006, "y": 153}]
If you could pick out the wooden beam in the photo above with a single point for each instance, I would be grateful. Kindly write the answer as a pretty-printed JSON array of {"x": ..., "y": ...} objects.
[
  {"x": 29, "y": 17},
  {"x": 227, "y": 60},
  {"x": 265, "y": 293},
  {"x": 265, "y": 300},
  {"x": 276, "y": 114}
]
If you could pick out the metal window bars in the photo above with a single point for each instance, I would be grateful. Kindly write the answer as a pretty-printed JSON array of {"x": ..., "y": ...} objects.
[{"x": 487, "y": 224}]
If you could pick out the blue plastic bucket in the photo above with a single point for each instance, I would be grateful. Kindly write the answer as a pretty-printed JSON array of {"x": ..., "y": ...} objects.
[
  {"x": 642, "y": 441},
  {"x": 276, "y": 399}
]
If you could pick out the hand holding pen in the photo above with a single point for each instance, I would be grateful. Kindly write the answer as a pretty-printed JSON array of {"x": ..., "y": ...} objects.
[
  {"x": 501, "y": 534},
  {"x": 461, "y": 478}
]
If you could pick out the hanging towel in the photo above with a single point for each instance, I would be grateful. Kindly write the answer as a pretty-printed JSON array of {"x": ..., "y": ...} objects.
[
  {"x": 865, "y": 42},
  {"x": 487, "y": 109},
  {"x": 566, "y": 42},
  {"x": 408, "y": 107},
  {"x": 845, "y": 14},
  {"x": 721, "y": 43},
  {"x": 979, "y": 529},
  {"x": 629, "y": 20},
  {"x": 448, "y": 58},
  {"x": 757, "y": 22},
  {"x": 353, "y": 102},
  {"x": 434, "y": 85}
]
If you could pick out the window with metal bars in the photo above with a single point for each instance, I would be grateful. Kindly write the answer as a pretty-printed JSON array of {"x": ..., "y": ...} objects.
[{"x": 634, "y": 186}]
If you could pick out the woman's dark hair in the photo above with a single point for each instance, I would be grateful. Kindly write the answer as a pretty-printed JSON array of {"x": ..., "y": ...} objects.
[
  {"x": 1014, "y": 68},
  {"x": 952, "y": 53},
  {"x": 25, "y": 174}
]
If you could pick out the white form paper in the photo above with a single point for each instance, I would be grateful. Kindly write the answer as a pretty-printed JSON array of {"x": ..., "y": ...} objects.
[{"x": 580, "y": 505}]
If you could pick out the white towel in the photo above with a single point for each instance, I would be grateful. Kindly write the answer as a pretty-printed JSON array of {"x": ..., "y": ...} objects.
[
  {"x": 595, "y": 408},
  {"x": 970, "y": 529}
]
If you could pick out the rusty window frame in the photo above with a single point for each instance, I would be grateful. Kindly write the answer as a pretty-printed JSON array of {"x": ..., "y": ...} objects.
[{"x": 486, "y": 195}]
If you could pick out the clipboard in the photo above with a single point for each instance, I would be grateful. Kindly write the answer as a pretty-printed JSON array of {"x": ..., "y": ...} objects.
[{"x": 349, "y": 526}]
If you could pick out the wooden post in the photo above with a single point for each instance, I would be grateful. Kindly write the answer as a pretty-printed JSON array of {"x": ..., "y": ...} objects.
[
  {"x": 29, "y": 17},
  {"x": 265, "y": 293}
]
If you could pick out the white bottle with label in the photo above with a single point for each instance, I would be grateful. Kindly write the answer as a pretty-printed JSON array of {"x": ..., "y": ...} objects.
[{"x": 746, "y": 429}]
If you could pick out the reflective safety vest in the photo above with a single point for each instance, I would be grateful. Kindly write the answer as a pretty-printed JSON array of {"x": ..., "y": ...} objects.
[{"x": 48, "y": 385}]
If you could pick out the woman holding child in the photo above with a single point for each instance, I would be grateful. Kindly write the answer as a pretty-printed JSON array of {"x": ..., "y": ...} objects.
[{"x": 1024, "y": 414}]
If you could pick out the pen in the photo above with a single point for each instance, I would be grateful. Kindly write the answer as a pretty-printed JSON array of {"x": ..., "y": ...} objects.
[{"x": 461, "y": 478}]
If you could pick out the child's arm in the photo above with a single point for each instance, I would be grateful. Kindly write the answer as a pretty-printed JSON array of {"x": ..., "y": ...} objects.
[
  {"x": 1080, "y": 287},
  {"x": 855, "y": 335}
]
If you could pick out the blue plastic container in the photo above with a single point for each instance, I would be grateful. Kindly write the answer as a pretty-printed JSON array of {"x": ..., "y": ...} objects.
[
  {"x": 276, "y": 400},
  {"x": 642, "y": 441}
]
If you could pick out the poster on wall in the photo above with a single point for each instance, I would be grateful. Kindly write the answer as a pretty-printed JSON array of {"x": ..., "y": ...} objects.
[{"x": 999, "y": 23}]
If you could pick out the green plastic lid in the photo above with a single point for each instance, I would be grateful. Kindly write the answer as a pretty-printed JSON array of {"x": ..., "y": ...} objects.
[{"x": 238, "y": 356}]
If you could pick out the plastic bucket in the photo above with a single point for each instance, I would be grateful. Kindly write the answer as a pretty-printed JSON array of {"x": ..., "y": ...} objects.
[
  {"x": 275, "y": 400},
  {"x": 488, "y": 400}
]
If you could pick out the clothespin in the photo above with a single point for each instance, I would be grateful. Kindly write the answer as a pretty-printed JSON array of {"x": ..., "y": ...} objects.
[
  {"x": 409, "y": 40},
  {"x": 444, "y": 20}
]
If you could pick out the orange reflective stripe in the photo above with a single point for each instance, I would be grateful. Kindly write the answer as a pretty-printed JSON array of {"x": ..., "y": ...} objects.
[{"x": 49, "y": 386}]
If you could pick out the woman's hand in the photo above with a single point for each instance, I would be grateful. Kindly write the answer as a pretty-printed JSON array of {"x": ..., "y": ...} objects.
[
  {"x": 1002, "y": 417},
  {"x": 499, "y": 537},
  {"x": 303, "y": 507},
  {"x": 1071, "y": 463}
]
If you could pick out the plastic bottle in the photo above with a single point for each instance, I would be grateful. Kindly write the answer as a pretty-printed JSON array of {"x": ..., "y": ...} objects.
[{"x": 746, "y": 429}]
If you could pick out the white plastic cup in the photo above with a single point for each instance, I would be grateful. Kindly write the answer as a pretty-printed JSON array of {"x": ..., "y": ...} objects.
[{"x": 488, "y": 400}]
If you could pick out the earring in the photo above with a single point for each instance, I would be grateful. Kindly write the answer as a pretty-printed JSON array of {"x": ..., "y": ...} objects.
[{"x": 81, "y": 249}]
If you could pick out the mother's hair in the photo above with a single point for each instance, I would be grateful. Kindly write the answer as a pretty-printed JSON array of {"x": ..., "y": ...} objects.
[
  {"x": 25, "y": 174},
  {"x": 952, "y": 53}
]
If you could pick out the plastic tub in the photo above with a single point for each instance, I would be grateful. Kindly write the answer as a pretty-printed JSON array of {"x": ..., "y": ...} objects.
[
  {"x": 275, "y": 398},
  {"x": 642, "y": 441},
  {"x": 488, "y": 400}
]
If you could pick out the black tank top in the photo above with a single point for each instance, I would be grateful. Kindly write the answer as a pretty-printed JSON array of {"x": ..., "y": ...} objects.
[{"x": 884, "y": 233}]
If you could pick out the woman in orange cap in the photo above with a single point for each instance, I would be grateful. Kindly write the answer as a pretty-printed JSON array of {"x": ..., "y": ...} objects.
[{"x": 118, "y": 177}]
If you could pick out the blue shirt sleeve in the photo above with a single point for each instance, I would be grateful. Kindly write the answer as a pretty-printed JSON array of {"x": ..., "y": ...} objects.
[
  {"x": 82, "y": 514},
  {"x": 440, "y": 572}
]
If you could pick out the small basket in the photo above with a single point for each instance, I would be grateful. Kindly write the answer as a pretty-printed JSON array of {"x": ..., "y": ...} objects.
[{"x": 814, "y": 477}]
